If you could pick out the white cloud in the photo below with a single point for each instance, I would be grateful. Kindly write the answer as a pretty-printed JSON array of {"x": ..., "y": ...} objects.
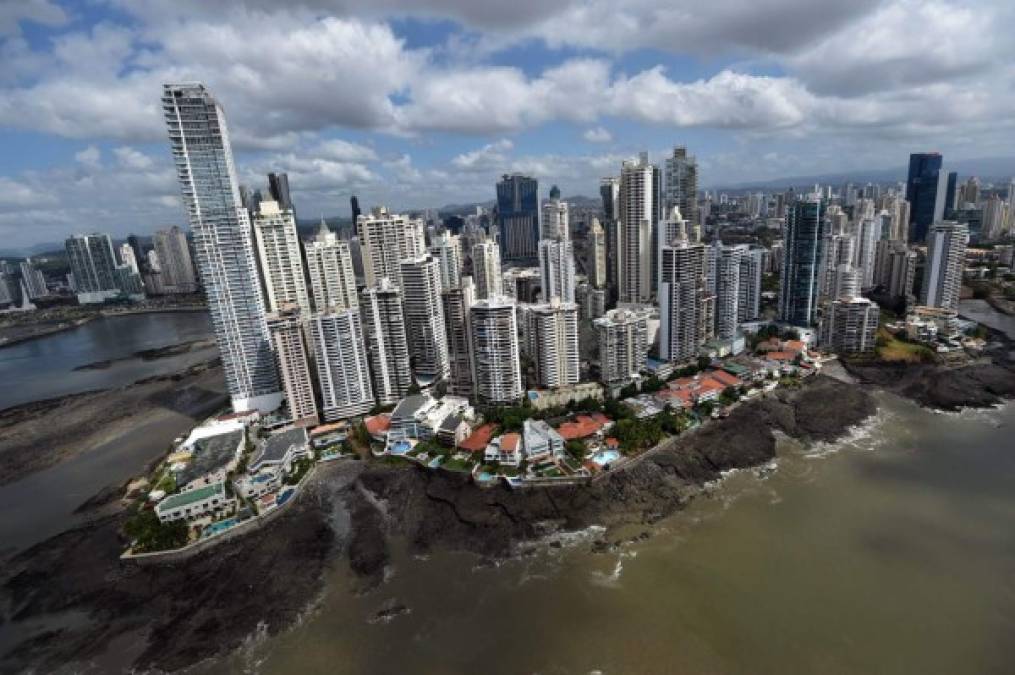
[
  {"x": 489, "y": 156},
  {"x": 131, "y": 158},
  {"x": 90, "y": 156},
  {"x": 598, "y": 135},
  {"x": 42, "y": 12}
]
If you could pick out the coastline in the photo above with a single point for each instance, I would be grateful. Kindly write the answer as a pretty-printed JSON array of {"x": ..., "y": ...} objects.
[
  {"x": 53, "y": 330},
  {"x": 66, "y": 425},
  {"x": 350, "y": 514}
]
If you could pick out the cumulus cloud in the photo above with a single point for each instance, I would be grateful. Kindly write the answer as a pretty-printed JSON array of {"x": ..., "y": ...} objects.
[
  {"x": 598, "y": 135},
  {"x": 484, "y": 158},
  {"x": 44, "y": 12},
  {"x": 90, "y": 156}
]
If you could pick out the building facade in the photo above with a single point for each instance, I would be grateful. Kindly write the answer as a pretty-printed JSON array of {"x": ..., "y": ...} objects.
[
  {"x": 946, "y": 256},
  {"x": 424, "y": 318},
  {"x": 556, "y": 269},
  {"x": 387, "y": 346},
  {"x": 517, "y": 217},
  {"x": 331, "y": 273},
  {"x": 801, "y": 262},
  {"x": 175, "y": 261},
  {"x": 222, "y": 241},
  {"x": 623, "y": 346},
  {"x": 287, "y": 337},
  {"x": 553, "y": 343},
  {"x": 93, "y": 265},
  {"x": 486, "y": 271},
  {"x": 496, "y": 365},
  {"x": 278, "y": 249},
  {"x": 386, "y": 239},
  {"x": 849, "y": 326},
  {"x": 343, "y": 373}
]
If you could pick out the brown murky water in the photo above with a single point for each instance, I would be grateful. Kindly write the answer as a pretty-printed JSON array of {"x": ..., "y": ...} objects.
[{"x": 890, "y": 552}]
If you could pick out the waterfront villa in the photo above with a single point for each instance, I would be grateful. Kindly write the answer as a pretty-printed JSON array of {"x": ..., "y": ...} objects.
[
  {"x": 204, "y": 501},
  {"x": 281, "y": 450}
]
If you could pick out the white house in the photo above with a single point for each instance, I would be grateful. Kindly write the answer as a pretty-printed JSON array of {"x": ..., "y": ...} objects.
[{"x": 209, "y": 500}]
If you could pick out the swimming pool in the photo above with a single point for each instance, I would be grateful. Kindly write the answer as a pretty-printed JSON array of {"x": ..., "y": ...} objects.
[
  {"x": 220, "y": 526},
  {"x": 400, "y": 447},
  {"x": 604, "y": 457}
]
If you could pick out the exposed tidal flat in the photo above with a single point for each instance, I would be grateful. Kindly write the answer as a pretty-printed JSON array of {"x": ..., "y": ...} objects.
[{"x": 830, "y": 528}]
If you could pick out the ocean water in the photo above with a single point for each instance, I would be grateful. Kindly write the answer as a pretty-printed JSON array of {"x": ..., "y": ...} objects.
[{"x": 892, "y": 551}]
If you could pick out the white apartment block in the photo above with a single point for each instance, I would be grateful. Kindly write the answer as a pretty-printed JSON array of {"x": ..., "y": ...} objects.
[
  {"x": 555, "y": 220},
  {"x": 749, "y": 302},
  {"x": 387, "y": 346},
  {"x": 623, "y": 345},
  {"x": 447, "y": 250},
  {"x": 175, "y": 263},
  {"x": 553, "y": 343},
  {"x": 849, "y": 326},
  {"x": 456, "y": 303},
  {"x": 727, "y": 289},
  {"x": 946, "y": 257},
  {"x": 386, "y": 240},
  {"x": 596, "y": 262},
  {"x": 332, "y": 276},
  {"x": 486, "y": 271},
  {"x": 686, "y": 308},
  {"x": 343, "y": 373},
  {"x": 287, "y": 338},
  {"x": 637, "y": 206},
  {"x": 424, "y": 318},
  {"x": 278, "y": 249},
  {"x": 496, "y": 366},
  {"x": 556, "y": 269}
]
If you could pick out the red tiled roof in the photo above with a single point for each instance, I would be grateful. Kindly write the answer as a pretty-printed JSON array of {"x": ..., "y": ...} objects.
[
  {"x": 583, "y": 426},
  {"x": 612, "y": 442},
  {"x": 378, "y": 424},
  {"x": 509, "y": 442},
  {"x": 781, "y": 356},
  {"x": 328, "y": 428},
  {"x": 708, "y": 384},
  {"x": 772, "y": 344},
  {"x": 794, "y": 346},
  {"x": 726, "y": 378},
  {"x": 478, "y": 439}
]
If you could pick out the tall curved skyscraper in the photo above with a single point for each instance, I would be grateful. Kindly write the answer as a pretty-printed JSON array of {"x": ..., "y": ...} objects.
[{"x": 223, "y": 244}]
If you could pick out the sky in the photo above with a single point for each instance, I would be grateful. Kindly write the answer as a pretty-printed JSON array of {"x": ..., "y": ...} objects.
[{"x": 422, "y": 103}]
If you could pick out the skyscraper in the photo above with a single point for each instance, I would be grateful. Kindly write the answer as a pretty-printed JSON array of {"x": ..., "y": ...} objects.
[
  {"x": 497, "y": 373},
  {"x": 386, "y": 240},
  {"x": 175, "y": 263},
  {"x": 553, "y": 337},
  {"x": 596, "y": 250},
  {"x": 355, "y": 211},
  {"x": 946, "y": 257},
  {"x": 222, "y": 240},
  {"x": 34, "y": 280},
  {"x": 518, "y": 217},
  {"x": 127, "y": 257},
  {"x": 623, "y": 346},
  {"x": 749, "y": 303},
  {"x": 486, "y": 270},
  {"x": 139, "y": 253},
  {"x": 424, "y": 318},
  {"x": 556, "y": 269},
  {"x": 387, "y": 346},
  {"x": 447, "y": 250},
  {"x": 868, "y": 234},
  {"x": 637, "y": 218},
  {"x": 278, "y": 187},
  {"x": 686, "y": 308},
  {"x": 681, "y": 188},
  {"x": 555, "y": 218},
  {"x": 609, "y": 190},
  {"x": 341, "y": 357},
  {"x": 801, "y": 262},
  {"x": 849, "y": 326},
  {"x": 727, "y": 289},
  {"x": 93, "y": 265},
  {"x": 456, "y": 303},
  {"x": 925, "y": 192},
  {"x": 278, "y": 249},
  {"x": 329, "y": 264},
  {"x": 286, "y": 328}
]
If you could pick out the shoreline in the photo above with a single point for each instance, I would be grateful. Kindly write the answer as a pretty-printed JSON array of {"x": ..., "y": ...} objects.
[
  {"x": 200, "y": 608},
  {"x": 100, "y": 314}
]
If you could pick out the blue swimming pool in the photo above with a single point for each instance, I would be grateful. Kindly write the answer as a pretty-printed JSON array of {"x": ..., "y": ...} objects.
[
  {"x": 400, "y": 447},
  {"x": 220, "y": 526},
  {"x": 284, "y": 497},
  {"x": 604, "y": 457}
]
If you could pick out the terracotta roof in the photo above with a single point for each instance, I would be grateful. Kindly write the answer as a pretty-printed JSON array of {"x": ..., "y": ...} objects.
[
  {"x": 708, "y": 384},
  {"x": 509, "y": 442},
  {"x": 794, "y": 346},
  {"x": 328, "y": 428},
  {"x": 377, "y": 424},
  {"x": 781, "y": 356},
  {"x": 583, "y": 426},
  {"x": 771, "y": 344},
  {"x": 612, "y": 442},
  {"x": 478, "y": 439},
  {"x": 725, "y": 378}
]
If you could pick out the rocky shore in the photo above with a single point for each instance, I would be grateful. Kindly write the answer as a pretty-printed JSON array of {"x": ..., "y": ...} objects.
[
  {"x": 985, "y": 383},
  {"x": 171, "y": 616}
]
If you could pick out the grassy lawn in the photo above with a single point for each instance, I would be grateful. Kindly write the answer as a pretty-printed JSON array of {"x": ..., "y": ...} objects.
[
  {"x": 892, "y": 349},
  {"x": 455, "y": 464}
]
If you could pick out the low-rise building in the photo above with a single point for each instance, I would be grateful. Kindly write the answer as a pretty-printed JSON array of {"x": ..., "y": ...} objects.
[
  {"x": 420, "y": 416},
  {"x": 254, "y": 486},
  {"x": 505, "y": 449},
  {"x": 541, "y": 441},
  {"x": 281, "y": 450},
  {"x": 540, "y": 399},
  {"x": 210, "y": 459},
  {"x": 210, "y": 500}
]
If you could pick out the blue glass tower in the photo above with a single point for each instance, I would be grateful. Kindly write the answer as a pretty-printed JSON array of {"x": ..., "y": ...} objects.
[
  {"x": 518, "y": 217},
  {"x": 922, "y": 193},
  {"x": 798, "y": 292}
]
